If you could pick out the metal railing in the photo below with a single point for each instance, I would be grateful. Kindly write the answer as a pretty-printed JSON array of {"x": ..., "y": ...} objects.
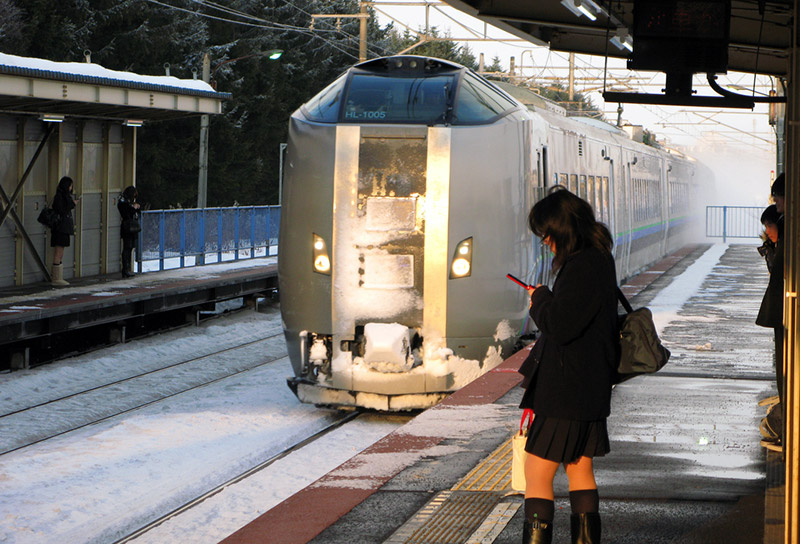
[
  {"x": 189, "y": 237},
  {"x": 733, "y": 222}
]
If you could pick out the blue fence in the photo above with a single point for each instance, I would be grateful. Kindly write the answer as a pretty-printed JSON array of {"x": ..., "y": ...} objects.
[
  {"x": 733, "y": 222},
  {"x": 190, "y": 237}
]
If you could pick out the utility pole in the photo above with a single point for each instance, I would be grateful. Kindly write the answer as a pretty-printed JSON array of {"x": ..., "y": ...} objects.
[
  {"x": 202, "y": 175},
  {"x": 571, "y": 88},
  {"x": 362, "y": 41},
  {"x": 363, "y": 16}
]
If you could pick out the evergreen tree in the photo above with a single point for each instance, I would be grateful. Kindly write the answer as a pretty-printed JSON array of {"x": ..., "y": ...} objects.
[{"x": 444, "y": 48}]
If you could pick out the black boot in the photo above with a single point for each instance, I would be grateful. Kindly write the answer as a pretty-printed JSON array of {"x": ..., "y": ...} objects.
[
  {"x": 537, "y": 532},
  {"x": 585, "y": 528}
]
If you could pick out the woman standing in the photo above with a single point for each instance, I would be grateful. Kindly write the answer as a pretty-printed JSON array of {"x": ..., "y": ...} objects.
[
  {"x": 569, "y": 374},
  {"x": 129, "y": 230},
  {"x": 63, "y": 203}
]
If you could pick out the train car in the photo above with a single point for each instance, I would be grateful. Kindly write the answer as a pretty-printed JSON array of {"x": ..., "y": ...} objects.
[{"x": 407, "y": 185}]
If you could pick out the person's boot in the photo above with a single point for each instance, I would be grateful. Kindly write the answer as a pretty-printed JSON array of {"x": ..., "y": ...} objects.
[
  {"x": 126, "y": 264},
  {"x": 585, "y": 528},
  {"x": 537, "y": 532},
  {"x": 57, "y": 275}
]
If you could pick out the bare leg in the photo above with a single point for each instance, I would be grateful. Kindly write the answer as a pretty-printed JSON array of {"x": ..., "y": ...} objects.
[
  {"x": 58, "y": 254},
  {"x": 539, "y": 474}
]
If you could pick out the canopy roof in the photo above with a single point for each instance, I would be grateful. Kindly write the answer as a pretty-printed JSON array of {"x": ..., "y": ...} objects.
[
  {"x": 758, "y": 42},
  {"x": 73, "y": 89}
]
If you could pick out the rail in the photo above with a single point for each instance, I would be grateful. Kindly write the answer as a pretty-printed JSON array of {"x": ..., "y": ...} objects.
[
  {"x": 189, "y": 237},
  {"x": 733, "y": 222}
]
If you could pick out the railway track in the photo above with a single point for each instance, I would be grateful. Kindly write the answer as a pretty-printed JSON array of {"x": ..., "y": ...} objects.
[
  {"x": 342, "y": 420},
  {"x": 46, "y": 420}
]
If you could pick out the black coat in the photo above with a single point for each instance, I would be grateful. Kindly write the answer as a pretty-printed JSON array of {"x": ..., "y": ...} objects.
[
  {"x": 127, "y": 211},
  {"x": 571, "y": 369},
  {"x": 63, "y": 203},
  {"x": 771, "y": 312}
]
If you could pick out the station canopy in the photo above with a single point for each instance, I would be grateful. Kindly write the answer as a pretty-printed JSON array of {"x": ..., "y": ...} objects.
[
  {"x": 81, "y": 89},
  {"x": 756, "y": 40}
]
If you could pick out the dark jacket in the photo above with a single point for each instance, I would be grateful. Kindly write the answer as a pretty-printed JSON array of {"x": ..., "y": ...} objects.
[
  {"x": 771, "y": 312},
  {"x": 63, "y": 203},
  {"x": 578, "y": 349},
  {"x": 127, "y": 211}
]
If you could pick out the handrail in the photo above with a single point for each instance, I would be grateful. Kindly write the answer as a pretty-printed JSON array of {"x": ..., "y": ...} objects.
[
  {"x": 733, "y": 222},
  {"x": 177, "y": 238}
]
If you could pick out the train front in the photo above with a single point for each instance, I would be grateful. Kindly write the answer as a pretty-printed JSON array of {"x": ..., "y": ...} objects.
[{"x": 368, "y": 246}]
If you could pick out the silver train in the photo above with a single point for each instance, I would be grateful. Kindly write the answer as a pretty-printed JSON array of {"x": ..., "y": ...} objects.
[{"x": 405, "y": 201}]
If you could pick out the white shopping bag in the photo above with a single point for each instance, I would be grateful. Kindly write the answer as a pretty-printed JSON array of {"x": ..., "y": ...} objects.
[{"x": 518, "y": 452}]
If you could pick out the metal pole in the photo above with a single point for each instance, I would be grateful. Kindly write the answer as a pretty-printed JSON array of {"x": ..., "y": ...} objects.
[
  {"x": 362, "y": 43},
  {"x": 202, "y": 175},
  {"x": 281, "y": 154}
]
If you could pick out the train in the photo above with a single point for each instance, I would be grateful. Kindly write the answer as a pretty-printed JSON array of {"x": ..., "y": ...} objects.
[{"x": 407, "y": 185}]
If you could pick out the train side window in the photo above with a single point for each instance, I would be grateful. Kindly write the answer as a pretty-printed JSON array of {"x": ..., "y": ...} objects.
[
  {"x": 563, "y": 180},
  {"x": 324, "y": 107},
  {"x": 582, "y": 189},
  {"x": 479, "y": 103},
  {"x": 606, "y": 211},
  {"x": 573, "y": 183}
]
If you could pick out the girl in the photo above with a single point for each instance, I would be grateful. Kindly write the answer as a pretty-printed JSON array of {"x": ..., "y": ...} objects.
[{"x": 569, "y": 374}]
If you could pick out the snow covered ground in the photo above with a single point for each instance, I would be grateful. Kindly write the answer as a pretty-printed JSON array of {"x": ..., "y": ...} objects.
[{"x": 102, "y": 482}]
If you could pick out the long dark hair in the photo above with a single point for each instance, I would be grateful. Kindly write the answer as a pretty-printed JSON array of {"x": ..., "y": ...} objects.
[{"x": 569, "y": 222}]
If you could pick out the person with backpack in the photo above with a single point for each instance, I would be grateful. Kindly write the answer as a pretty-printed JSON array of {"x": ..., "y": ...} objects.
[{"x": 570, "y": 371}]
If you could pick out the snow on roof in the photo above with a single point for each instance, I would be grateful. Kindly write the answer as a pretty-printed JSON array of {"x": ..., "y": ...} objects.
[{"x": 85, "y": 72}]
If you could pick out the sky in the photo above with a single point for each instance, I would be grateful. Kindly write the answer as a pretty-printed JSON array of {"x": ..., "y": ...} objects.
[{"x": 738, "y": 145}]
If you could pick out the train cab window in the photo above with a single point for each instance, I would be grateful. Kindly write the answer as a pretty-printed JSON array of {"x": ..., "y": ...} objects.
[
  {"x": 478, "y": 102},
  {"x": 324, "y": 107},
  {"x": 382, "y": 99}
]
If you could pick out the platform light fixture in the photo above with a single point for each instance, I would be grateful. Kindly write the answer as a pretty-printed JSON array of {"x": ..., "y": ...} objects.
[
  {"x": 622, "y": 40},
  {"x": 51, "y": 118},
  {"x": 583, "y": 7}
]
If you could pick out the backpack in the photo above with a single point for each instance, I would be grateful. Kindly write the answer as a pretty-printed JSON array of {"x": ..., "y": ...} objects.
[{"x": 640, "y": 351}]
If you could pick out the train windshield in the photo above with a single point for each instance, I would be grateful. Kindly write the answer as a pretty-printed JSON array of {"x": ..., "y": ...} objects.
[
  {"x": 382, "y": 99},
  {"x": 325, "y": 106}
]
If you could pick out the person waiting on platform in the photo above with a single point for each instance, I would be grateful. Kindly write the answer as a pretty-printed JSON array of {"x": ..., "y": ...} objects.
[
  {"x": 63, "y": 203},
  {"x": 770, "y": 218},
  {"x": 570, "y": 371},
  {"x": 129, "y": 229},
  {"x": 770, "y": 314}
]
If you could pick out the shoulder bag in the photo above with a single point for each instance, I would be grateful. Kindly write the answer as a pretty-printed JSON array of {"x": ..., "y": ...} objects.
[
  {"x": 641, "y": 351},
  {"x": 48, "y": 217}
]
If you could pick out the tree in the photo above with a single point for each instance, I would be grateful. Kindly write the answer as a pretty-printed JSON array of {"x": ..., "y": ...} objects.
[
  {"x": 445, "y": 48},
  {"x": 579, "y": 105}
]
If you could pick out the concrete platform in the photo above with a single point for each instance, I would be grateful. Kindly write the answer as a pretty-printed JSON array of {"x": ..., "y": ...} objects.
[
  {"x": 685, "y": 465},
  {"x": 38, "y": 311}
]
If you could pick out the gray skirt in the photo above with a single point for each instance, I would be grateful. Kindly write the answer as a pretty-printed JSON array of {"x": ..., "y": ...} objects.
[{"x": 565, "y": 440}]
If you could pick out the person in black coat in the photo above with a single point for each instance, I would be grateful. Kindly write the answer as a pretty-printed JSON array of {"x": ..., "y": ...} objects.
[
  {"x": 129, "y": 229},
  {"x": 770, "y": 314},
  {"x": 570, "y": 371},
  {"x": 63, "y": 203}
]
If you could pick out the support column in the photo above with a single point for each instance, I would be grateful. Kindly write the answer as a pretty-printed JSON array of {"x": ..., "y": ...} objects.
[{"x": 791, "y": 311}]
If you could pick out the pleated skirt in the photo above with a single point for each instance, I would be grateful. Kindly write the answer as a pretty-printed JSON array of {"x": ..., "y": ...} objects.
[{"x": 565, "y": 440}]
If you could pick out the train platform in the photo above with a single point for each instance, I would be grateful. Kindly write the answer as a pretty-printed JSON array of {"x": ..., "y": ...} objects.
[
  {"x": 685, "y": 466},
  {"x": 39, "y": 315}
]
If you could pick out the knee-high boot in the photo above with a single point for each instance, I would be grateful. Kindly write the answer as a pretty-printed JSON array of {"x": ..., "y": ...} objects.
[
  {"x": 585, "y": 528},
  {"x": 537, "y": 532},
  {"x": 57, "y": 275}
]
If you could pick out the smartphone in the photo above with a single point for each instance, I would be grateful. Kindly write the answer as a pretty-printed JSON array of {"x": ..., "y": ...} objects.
[{"x": 519, "y": 281}]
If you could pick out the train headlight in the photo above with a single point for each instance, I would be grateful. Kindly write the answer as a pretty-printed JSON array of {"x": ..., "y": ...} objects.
[
  {"x": 462, "y": 260},
  {"x": 322, "y": 263}
]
